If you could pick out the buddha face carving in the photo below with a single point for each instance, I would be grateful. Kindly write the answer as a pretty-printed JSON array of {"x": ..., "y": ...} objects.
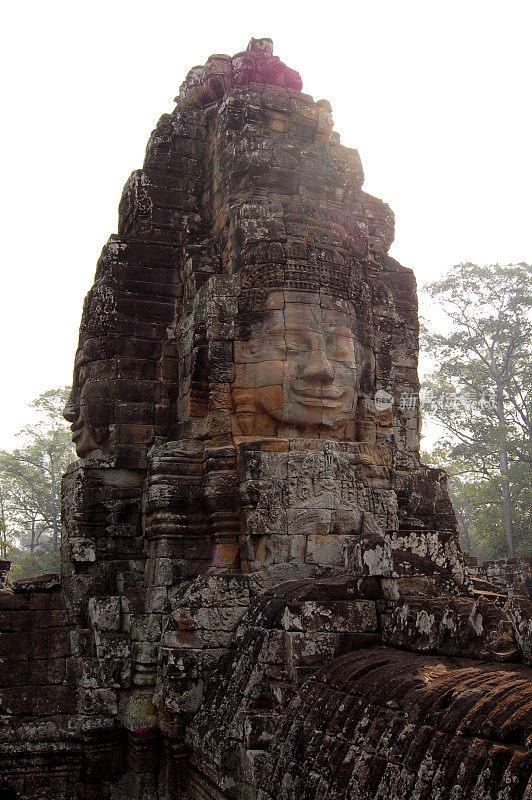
[
  {"x": 299, "y": 367},
  {"x": 88, "y": 411}
]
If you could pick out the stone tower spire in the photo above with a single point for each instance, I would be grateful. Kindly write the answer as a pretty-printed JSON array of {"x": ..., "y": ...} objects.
[{"x": 261, "y": 583}]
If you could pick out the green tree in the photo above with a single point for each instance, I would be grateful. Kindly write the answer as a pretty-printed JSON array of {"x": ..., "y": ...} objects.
[
  {"x": 6, "y": 537},
  {"x": 481, "y": 393},
  {"x": 30, "y": 481}
]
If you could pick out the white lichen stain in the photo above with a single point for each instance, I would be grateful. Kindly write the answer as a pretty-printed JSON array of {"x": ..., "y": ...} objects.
[
  {"x": 475, "y": 620},
  {"x": 448, "y": 620},
  {"x": 390, "y": 589},
  {"x": 374, "y": 560},
  {"x": 402, "y": 616},
  {"x": 426, "y": 769},
  {"x": 424, "y": 622}
]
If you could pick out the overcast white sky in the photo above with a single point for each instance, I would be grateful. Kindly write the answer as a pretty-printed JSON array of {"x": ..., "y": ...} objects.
[{"x": 435, "y": 96}]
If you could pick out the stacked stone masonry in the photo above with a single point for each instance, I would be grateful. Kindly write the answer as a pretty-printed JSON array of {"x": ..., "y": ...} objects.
[
  {"x": 509, "y": 576},
  {"x": 262, "y": 593}
]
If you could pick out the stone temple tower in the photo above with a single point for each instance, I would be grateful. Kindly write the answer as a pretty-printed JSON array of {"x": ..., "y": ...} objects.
[{"x": 262, "y": 594}]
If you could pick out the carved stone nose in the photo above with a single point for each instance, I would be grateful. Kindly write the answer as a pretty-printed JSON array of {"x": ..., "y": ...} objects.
[
  {"x": 319, "y": 368},
  {"x": 71, "y": 410}
]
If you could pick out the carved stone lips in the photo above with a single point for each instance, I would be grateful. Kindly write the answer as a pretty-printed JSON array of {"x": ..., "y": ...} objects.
[
  {"x": 77, "y": 429},
  {"x": 328, "y": 398}
]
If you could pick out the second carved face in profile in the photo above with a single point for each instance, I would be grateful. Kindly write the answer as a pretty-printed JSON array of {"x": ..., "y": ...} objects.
[
  {"x": 298, "y": 367},
  {"x": 88, "y": 409}
]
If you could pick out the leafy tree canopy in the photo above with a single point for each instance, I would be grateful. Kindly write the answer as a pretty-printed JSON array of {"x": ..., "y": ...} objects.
[
  {"x": 481, "y": 395},
  {"x": 30, "y": 487}
]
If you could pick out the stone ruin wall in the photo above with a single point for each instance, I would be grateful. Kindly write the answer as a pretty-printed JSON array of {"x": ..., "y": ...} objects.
[
  {"x": 508, "y": 576},
  {"x": 248, "y": 533}
]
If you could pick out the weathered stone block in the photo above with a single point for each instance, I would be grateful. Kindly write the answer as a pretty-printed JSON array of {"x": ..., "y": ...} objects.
[
  {"x": 325, "y": 549},
  {"x": 346, "y": 616},
  {"x": 104, "y": 613}
]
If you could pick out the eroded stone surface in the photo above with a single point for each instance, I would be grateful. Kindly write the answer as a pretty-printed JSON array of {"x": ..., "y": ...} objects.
[
  {"x": 371, "y": 723},
  {"x": 249, "y": 517}
]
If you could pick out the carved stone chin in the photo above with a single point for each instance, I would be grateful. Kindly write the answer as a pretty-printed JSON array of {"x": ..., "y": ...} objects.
[
  {"x": 89, "y": 412},
  {"x": 83, "y": 441}
]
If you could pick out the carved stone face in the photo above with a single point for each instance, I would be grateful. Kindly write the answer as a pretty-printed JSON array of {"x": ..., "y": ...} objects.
[
  {"x": 299, "y": 367},
  {"x": 88, "y": 411}
]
